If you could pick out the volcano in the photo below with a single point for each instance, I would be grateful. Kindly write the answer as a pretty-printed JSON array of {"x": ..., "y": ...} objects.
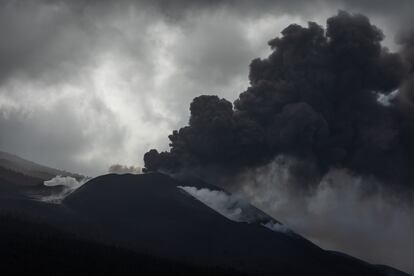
[
  {"x": 152, "y": 213},
  {"x": 153, "y": 223}
]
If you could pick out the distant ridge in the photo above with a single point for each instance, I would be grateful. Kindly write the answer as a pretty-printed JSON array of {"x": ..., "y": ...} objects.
[
  {"x": 23, "y": 178},
  {"x": 17, "y": 164}
]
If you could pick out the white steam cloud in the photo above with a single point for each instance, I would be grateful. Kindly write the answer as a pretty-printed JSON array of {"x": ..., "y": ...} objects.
[
  {"x": 344, "y": 212},
  {"x": 123, "y": 169},
  {"x": 226, "y": 205},
  {"x": 275, "y": 226},
  {"x": 67, "y": 184},
  {"x": 233, "y": 207}
]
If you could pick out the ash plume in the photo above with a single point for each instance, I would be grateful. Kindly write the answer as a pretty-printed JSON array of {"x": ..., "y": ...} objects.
[
  {"x": 322, "y": 139},
  {"x": 315, "y": 98}
]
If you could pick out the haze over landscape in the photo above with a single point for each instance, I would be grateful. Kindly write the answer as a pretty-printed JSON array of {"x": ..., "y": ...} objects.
[{"x": 287, "y": 126}]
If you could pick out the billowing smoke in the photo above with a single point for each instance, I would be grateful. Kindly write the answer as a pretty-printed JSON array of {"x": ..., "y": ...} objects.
[
  {"x": 123, "y": 169},
  {"x": 314, "y": 98},
  {"x": 234, "y": 207},
  {"x": 322, "y": 138},
  {"x": 68, "y": 185},
  {"x": 345, "y": 212}
]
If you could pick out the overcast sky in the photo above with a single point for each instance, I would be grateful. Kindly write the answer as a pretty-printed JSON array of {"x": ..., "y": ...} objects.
[{"x": 86, "y": 84}]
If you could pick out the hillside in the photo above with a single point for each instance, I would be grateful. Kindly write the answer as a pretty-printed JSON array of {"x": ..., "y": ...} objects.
[
  {"x": 28, "y": 247},
  {"x": 31, "y": 169},
  {"x": 22, "y": 178},
  {"x": 148, "y": 213},
  {"x": 152, "y": 223}
]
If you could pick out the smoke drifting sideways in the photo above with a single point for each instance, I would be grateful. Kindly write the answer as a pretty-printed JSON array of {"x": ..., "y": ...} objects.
[
  {"x": 315, "y": 98},
  {"x": 345, "y": 212},
  {"x": 124, "y": 169},
  {"x": 68, "y": 185},
  {"x": 234, "y": 207}
]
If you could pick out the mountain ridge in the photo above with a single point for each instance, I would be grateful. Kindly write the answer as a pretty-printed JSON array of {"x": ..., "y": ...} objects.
[
  {"x": 152, "y": 214},
  {"x": 149, "y": 211},
  {"x": 13, "y": 162}
]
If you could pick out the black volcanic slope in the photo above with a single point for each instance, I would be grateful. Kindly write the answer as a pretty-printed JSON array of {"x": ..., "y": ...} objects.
[
  {"x": 33, "y": 248},
  {"x": 148, "y": 213}
]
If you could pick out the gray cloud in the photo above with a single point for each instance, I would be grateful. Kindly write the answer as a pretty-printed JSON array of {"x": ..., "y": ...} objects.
[
  {"x": 86, "y": 84},
  {"x": 44, "y": 42},
  {"x": 66, "y": 127},
  {"x": 113, "y": 78}
]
